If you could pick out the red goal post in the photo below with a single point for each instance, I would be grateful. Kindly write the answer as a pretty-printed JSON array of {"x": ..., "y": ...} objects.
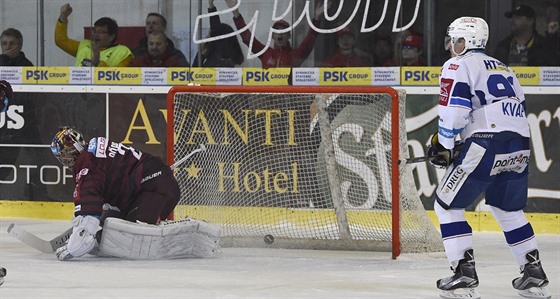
[{"x": 306, "y": 175}]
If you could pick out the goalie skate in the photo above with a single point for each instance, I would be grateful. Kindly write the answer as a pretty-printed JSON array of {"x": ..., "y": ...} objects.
[
  {"x": 464, "y": 281},
  {"x": 532, "y": 283}
]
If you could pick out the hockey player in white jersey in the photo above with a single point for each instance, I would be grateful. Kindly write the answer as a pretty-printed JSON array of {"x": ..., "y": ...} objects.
[{"x": 482, "y": 102}]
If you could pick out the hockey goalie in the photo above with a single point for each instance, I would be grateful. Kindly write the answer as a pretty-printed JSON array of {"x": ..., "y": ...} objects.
[{"x": 122, "y": 199}]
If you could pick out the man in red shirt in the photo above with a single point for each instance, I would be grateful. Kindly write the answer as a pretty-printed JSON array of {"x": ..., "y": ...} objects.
[{"x": 281, "y": 54}]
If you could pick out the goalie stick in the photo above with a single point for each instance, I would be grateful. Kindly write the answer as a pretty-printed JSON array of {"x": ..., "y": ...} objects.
[
  {"x": 201, "y": 148},
  {"x": 32, "y": 240}
]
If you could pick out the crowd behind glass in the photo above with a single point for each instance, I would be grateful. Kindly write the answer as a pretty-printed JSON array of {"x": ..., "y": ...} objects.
[{"x": 522, "y": 33}]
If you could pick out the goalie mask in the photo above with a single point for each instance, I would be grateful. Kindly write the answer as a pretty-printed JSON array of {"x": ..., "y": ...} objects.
[
  {"x": 67, "y": 145},
  {"x": 473, "y": 30}
]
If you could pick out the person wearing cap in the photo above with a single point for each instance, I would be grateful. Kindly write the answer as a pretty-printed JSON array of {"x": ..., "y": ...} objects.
[
  {"x": 524, "y": 46},
  {"x": 382, "y": 50},
  {"x": 411, "y": 54},
  {"x": 345, "y": 55},
  {"x": 281, "y": 54},
  {"x": 224, "y": 52}
]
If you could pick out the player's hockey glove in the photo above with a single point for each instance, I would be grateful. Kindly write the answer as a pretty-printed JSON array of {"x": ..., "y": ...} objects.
[
  {"x": 442, "y": 157},
  {"x": 82, "y": 240}
]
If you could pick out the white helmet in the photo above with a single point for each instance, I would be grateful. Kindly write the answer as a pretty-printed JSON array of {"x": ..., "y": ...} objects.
[{"x": 473, "y": 30}]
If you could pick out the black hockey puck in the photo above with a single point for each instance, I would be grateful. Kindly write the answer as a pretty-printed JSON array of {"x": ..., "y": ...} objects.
[{"x": 269, "y": 239}]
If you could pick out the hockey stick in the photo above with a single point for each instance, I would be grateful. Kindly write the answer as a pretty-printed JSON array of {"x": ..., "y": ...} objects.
[
  {"x": 201, "y": 148},
  {"x": 38, "y": 243},
  {"x": 417, "y": 159}
]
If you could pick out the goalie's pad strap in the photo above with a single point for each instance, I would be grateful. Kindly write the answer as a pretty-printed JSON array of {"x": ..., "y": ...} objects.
[{"x": 187, "y": 238}]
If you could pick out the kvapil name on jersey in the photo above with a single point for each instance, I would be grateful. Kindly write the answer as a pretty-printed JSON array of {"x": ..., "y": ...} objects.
[
  {"x": 12, "y": 118},
  {"x": 513, "y": 109}
]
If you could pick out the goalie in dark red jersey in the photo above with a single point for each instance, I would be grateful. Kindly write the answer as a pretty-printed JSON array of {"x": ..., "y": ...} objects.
[{"x": 111, "y": 180}]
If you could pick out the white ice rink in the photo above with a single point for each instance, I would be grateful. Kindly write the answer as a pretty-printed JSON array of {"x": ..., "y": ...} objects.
[{"x": 256, "y": 273}]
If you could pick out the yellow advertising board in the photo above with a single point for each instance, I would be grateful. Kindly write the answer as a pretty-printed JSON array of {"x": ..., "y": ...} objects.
[
  {"x": 266, "y": 77},
  {"x": 45, "y": 75},
  {"x": 420, "y": 75},
  {"x": 527, "y": 75},
  {"x": 356, "y": 76},
  {"x": 117, "y": 76}
]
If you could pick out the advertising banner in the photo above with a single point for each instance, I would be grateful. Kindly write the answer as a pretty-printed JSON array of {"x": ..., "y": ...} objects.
[{"x": 28, "y": 170}]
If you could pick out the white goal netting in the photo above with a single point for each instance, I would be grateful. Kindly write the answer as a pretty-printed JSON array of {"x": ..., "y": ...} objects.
[{"x": 313, "y": 170}]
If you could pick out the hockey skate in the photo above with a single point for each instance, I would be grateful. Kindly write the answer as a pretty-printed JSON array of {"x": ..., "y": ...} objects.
[
  {"x": 532, "y": 283},
  {"x": 463, "y": 283}
]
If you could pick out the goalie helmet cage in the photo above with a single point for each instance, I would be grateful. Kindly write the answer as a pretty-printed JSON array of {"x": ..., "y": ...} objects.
[{"x": 314, "y": 167}]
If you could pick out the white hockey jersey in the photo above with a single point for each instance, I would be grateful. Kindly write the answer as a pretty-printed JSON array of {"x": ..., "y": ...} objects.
[{"x": 479, "y": 93}]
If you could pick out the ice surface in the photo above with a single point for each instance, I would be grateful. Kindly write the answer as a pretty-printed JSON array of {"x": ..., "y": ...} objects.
[{"x": 256, "y": 273}]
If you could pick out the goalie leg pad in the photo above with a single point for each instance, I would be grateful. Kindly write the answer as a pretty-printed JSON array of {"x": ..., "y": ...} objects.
[{"x": 188, "y": 238}]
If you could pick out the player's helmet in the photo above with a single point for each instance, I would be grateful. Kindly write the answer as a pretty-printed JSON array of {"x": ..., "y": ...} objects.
[
  {"x": 473, "y": 30},
  {"x": 67, "y": 145},
  {"x": 6, "y": 94}
]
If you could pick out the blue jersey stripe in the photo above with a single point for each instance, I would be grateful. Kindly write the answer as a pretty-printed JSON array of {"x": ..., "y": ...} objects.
[
  {"x": 449, "y": 133},
  {"x": 460, "y": 102}
]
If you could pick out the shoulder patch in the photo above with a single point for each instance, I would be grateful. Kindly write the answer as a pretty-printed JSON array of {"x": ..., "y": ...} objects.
[
  {"x": 445, "y": 91},
  {"x": 98, "y": 147},
  {"x": 453, "y": 66}
]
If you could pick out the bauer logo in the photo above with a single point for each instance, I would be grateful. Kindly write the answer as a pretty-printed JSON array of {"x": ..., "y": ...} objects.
[
  {"x": 420, "y": 75},
  {"x": 273, "y": 76},
  {"x": 346, "y": 76},
  {"x": 121, "y": 76},
  {"x": 46, "y": 75}
]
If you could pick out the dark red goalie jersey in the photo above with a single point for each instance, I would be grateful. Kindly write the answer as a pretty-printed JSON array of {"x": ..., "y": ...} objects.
[{"x": 108, "y": 172}]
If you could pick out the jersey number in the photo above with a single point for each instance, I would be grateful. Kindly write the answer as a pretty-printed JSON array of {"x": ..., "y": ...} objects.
[{"x": 499, "y": 87}]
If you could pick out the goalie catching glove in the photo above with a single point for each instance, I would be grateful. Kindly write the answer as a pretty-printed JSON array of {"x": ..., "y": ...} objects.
[
  {"x": 82, "y": 240},
  {"x": 443, "y": 157}
]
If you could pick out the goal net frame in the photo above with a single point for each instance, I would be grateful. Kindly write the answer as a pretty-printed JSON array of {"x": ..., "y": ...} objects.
[{"x": 396, "y": 151}]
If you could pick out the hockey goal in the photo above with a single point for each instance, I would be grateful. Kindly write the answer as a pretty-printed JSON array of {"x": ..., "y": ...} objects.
[{"x": 298, "y": 167}]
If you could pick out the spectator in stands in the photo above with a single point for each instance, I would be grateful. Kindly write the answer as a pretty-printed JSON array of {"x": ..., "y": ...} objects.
[
  {"x": 101, "y": 50},
  {"x": 281, "y": 54},
  {"x": 220, "y": 53},
  {"x": 383, "y": 50},
  {"x": 346, "y": 55},
  {"x": 524, "y": 46},
  {"x": 12, "y": 42},
  {"x": 154, "y": 23},
  {"x": 160, "y": 53},
  {"x": 412, "y": 52},
  {"x": 552, "y": 33}
]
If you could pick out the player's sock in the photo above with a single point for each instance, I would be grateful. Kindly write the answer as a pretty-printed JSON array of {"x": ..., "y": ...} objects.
[
  {"x": 464, "y": 280},
  {"x": 532, "y": 283}
]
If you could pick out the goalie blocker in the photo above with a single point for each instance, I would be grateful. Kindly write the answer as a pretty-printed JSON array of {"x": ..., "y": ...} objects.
[{"x": 188, "y": 238}]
